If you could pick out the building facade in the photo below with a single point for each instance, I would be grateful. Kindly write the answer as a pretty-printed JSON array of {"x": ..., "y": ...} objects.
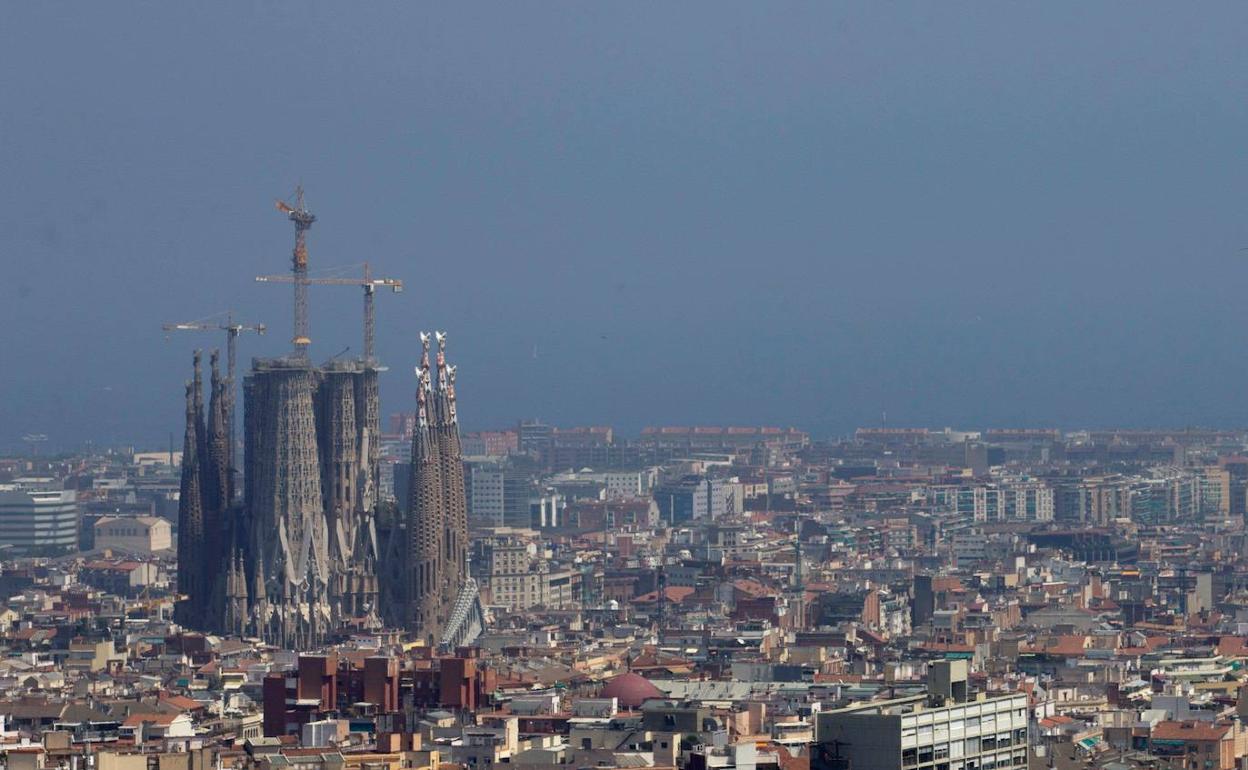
[
  {"x": 698, "y": 498},
  {"x": 133, "y": 534},
  {"x": 499, "y": 496},
  {"x": 987, "y": 734},
  {"x": 39, "y": 522}
]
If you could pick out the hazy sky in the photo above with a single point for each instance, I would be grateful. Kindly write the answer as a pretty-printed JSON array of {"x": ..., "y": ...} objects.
[{"x": 970, "y": 214}]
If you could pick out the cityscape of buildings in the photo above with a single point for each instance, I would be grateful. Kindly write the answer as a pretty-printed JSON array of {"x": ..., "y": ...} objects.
[
  {"x": 299, "y": 588},
  {"x": 689, "y": 597},
  {"x": 723, "y": 386},
  {"x": 319, "y": 593}
]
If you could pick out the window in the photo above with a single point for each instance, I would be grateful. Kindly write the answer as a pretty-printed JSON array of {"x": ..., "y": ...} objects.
[
  {"x": 972, "y": 746},
  {"x": 909, "y": 757}
]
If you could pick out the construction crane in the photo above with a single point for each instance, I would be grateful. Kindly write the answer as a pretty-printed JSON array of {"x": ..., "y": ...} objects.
[
  {"x": 303, "y": 219},
  {"x": 232, "y": 330},
  {"x": 370, "y": 285}
]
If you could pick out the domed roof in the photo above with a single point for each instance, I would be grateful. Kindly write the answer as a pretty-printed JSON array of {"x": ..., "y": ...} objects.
[{"x": 631, "y": 690}]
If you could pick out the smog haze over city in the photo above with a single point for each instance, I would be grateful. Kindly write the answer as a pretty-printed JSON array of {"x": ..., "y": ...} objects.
[
  {"x": 822, "y": 215},
  {"x": 623, "y": 386}
]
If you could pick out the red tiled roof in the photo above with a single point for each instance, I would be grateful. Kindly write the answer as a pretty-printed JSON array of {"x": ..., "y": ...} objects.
[
  {"x": 1189, "y": 731},
  {"x": 181, "y": 702},
  {"x": 751, "y": 587},
  {"x": 1233, "y": 646},
  {"x": 1056, "y": 720}
]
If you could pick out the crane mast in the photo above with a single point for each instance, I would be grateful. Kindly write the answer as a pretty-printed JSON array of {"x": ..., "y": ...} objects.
[
  {"x": 370, "y": 318},
  {"x": 303, "y": 219}
]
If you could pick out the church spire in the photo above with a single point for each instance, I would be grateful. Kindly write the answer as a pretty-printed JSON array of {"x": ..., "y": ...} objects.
[
  {"x": 425, "y": 514},
  {"x": 198, "y": 384},
  {"x": 216, "y": 470},
  {"x": 190, "y": 508}
]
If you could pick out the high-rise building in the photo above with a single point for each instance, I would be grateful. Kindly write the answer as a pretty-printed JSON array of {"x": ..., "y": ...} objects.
[
  {"x": 1215, "y": 491},
  {"x": 698, "y": 498},
  {"x": 500, "y": 497},
  {"x": 943, "y": 727},
  {"x": 39, "y": 521}
]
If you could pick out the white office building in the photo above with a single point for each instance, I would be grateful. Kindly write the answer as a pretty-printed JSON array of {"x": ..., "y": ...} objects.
[
  {"x": 941, "y": 730},
  {"x": 38, "y": 521}
]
